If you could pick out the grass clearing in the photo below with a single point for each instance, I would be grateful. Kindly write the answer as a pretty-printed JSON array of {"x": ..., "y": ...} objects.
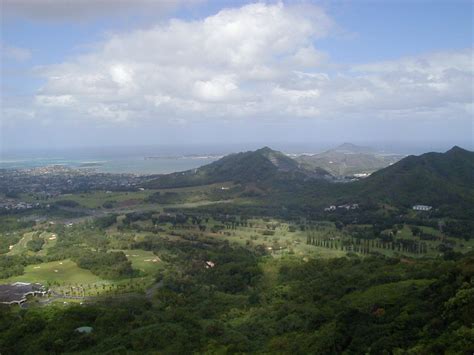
[
  {"x": 20, "y": 247},
  {"x": 64, "y": 271},
  {"x": 144, "y": 261},
  {"x": 96, "y": 199}
]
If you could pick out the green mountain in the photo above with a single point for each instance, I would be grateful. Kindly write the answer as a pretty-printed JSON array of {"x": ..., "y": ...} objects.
[
  {"x": 348, "y": 159},
  {"x": 437, "y": 179},
  {"x": 444, "y": 181},
  {"x": 262, "y": 165}
]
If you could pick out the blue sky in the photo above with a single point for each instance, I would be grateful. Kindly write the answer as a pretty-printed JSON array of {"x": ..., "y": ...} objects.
[{"x": 235, "y": 71}]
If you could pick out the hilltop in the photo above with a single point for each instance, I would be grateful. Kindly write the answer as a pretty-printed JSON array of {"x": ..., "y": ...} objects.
[
  {"x": 432, "y": 178},
  {"x": 262, "y": 165}
]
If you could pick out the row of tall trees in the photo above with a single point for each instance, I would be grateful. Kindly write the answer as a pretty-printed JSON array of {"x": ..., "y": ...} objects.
[{"x": 365, "y": 246}]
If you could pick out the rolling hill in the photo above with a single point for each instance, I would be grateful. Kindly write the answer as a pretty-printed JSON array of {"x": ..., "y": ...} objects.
[
  {"x": 438, "y": 179},
  {"x": 260, "y": 166}
]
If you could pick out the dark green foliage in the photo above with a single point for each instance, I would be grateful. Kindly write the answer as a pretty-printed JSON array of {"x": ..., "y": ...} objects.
[
  {"x": 108, "y": 265},
  {"x": 137, "y": 216},
  {"x": 12, "y": 265},
  {"x": 165, "y": 198},
  {"x": 109, "y": 204},
  {"x": 443, "y": 180},
  {"x": 35, "y": 244},
  {"x": 348, "y": 305},
  {"x": 8, "y": 239},
  {"x": 8, "y": 224},
  {"x": 460, "y": 229},
  {"x": 67, "y": 203},
  {"x": 106, "y": 221}
]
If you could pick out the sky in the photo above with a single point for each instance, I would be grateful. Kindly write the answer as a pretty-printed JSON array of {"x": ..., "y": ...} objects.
[{"x": 80, "y": 73}]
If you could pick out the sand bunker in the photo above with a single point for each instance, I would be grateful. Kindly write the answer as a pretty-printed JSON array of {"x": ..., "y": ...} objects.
[{"x": 155, "y": 260}]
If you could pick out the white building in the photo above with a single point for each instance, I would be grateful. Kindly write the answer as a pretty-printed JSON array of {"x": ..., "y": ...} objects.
[{"x": 422, "y": 208}]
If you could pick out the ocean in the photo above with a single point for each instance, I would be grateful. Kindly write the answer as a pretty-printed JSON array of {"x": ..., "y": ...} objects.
[
  {"x": 138, "y": 166},
  {"x": 130, "y": 160}
]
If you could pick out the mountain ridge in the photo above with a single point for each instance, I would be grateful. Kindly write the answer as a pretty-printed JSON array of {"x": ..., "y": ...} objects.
[
  {"x": 438, "y": 179},
  {"x": 264, "y": 164}
]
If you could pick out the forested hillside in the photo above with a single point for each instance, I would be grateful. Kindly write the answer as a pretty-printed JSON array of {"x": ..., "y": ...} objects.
[
  {"x": 262, "y": 166},
  {"x": 249, "y": 303},
  {"x": 443, "y": 180}
]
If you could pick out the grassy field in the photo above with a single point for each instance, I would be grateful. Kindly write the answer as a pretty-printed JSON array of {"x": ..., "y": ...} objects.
[
  {"x": 285, "y": 240},
  {"x": 144, "y": 261},
  {"x": 67, "y": 279},
  {"x": 63, "y": 272},
  {"x": 96, "y": 199},
  {"x": 278, "y": 238},
  {"x": 20, "y": 247}
]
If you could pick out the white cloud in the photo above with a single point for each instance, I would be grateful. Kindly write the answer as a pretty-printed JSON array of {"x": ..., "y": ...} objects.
[
  {"x": 216, "y": 89},
  {"x": 255, "y": 62},
  {"x": 55, "y": 101},
  {"x": 122, "y": 75},
  {"x": 220, "y": 66},
  {"x": 309, "y": 57}
]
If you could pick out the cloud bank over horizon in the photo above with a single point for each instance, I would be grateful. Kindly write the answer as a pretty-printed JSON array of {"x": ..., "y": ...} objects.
[{"x": 255, "y": 63}]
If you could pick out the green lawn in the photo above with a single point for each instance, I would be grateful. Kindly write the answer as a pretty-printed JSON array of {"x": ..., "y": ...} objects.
[
  {"x": 144, "y": 261},
  {"x": 64, "y": 271},
  {"x": 96, "y": 199},
  {"x": 20, "y": 247},
  {"x": 281, "y": 243},
  {"x": 49, "y": 241}
]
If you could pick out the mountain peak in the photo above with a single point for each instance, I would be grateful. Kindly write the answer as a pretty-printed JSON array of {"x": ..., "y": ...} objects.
[
  {"x": 455, "y": 150},
  {"x": 265, "y": 150},
  {"x": 264, "y": 164}
]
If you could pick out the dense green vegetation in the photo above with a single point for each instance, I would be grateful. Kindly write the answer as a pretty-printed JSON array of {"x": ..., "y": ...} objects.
[
  {"x": 443, "y": 180},
  {"x": 251, "y": 264},
  {"x": 261, "y": 166},
  {"x": 249, "y": 303},
  {"x": 231, "y": 284}
]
